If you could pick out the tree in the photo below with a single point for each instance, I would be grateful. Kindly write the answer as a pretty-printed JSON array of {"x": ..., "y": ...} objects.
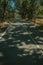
[
  {"x": 41, "y": 2},
  {"x": 23, "y": 9},
  {"x": 6, "y": 11},
  {"x": 32, "y": 10},
  {"x": 18, "y": 3},
  {"x": 28, "y": 8},
  {"x": 4, "y": 8},
  {"x": 11, "y": 9}
]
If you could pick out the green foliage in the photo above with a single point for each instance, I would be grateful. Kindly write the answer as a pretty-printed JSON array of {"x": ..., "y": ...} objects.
[
  {"x": 6, "y": 12},
  {"x": 23, "y": 9},
  {"x": 32, "y": 9},
  {"x": 41, "y": 2},
  {"x": 28, "y": 8}
]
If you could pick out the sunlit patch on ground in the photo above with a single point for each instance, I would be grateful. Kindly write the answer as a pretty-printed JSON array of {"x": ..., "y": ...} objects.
[{"x": 22, "y": 44}]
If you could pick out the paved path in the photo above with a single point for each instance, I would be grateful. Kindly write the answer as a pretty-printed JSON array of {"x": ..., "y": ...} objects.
[
  {"x": 26, "y": 31},
  {"x": 21, "y": 36}
]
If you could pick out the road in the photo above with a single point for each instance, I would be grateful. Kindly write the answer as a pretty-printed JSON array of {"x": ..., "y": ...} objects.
[
  {"x": 23, "y": 36},
  {"x": 25, "y": 30}
]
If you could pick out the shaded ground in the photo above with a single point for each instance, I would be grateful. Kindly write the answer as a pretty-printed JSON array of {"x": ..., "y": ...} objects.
[{"x": 22, "y": 45}]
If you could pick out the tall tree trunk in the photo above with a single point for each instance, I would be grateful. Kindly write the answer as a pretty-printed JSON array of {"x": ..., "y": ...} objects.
[{"x": 4, "y": 8}]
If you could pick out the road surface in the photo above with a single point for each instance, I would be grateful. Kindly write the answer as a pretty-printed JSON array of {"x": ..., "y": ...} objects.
[{"x": 21, "y": 39}]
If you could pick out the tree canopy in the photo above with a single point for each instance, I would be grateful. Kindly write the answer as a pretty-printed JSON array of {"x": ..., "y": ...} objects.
[
  {"x": 7, "y": 9},
  {"x": 26, "y": 8}
]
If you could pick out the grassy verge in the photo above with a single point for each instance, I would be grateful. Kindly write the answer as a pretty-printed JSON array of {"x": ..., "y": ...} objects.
[
  {"x": 3, "y": 26},
  {"x": 39, "y": 21}
]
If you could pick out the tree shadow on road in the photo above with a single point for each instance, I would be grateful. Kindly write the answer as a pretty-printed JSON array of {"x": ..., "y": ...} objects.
[
  {"x": 15, "y": 49},
  {"x": 17, "y": 56}
]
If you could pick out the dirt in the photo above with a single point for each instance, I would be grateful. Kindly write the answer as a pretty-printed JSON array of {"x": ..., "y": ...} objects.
[{"x": 4, "y": 25}]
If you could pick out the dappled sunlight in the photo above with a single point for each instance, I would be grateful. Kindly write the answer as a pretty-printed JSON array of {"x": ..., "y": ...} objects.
[
  {"x": 40, "y": 42},
  {"x": 39, "y": 39},
  {"x": 20, "y": 46},
  {"x": 31, "y": 51},
  {"x": 26, "y": 33},
  {"x": 21, "y": 32},
  {"x": 22, "y": 55},
  {"x": 1, "y": 54}
]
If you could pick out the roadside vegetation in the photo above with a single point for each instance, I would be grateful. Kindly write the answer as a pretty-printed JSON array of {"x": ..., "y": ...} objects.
[{"x": 28, "y": 10}]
